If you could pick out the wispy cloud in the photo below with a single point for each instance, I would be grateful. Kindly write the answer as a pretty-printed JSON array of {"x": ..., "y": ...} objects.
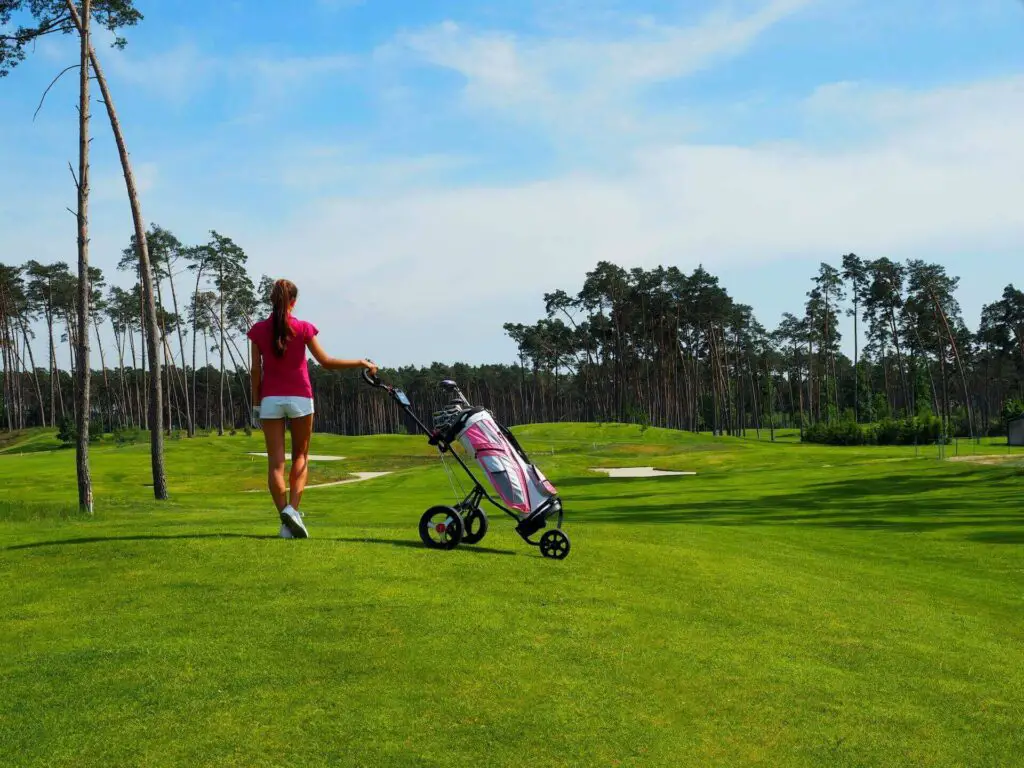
[
  {"x": 181, "y": 72},
  {"x": 575, "y": 79}
]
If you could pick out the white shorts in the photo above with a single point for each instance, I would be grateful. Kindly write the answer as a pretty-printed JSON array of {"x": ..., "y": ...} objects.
[{"x": 279, "y": 407}]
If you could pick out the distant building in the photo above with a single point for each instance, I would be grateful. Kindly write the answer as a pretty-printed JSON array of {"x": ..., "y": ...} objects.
[{"x": 1016, "y": 431}]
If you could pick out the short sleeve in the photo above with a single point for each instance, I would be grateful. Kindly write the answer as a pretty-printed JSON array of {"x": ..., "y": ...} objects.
[
  {"x": 311, "y": 331},
  {"x": 258, "y": 334}
]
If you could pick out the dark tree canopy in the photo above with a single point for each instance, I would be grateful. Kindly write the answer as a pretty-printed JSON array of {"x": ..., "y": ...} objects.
[{"x": 23, "y": 22}]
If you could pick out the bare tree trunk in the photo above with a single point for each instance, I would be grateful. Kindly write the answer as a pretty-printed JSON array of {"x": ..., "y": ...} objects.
[
  {"x": 856, "y": 361},
  {"x": 190, "y": 428},
  {"x": 53, "y": 361},
  {"x": 125, "y": 405},
  {"x": 959, "y": 363},
  {"x": 35, "y": 373},
  {"x": 103, "y": 367},
  {"x": 84, "y": 289},
  {"x": 156, "y": 416},
  {"x": 220, "y": 418},
  {"x": 72, "y": 364},
  {"x": 7, "y": 355},
  {"x": 908, "y": 400},
  {"x": 195, "y": 335},
  {"x": 130, "y": 333},
  {"x": 206, "y": 345}
]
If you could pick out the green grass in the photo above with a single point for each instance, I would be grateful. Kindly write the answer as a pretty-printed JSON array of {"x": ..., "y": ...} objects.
[{"x": 790, "y": 605}]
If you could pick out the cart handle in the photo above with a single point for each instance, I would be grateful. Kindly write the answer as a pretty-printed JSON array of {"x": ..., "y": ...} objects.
[{"x": 371, "y": 379}]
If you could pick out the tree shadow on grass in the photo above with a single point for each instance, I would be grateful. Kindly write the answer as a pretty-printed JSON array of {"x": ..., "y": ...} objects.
[
  {"x": 154, "y": 537},
  {"x": 998, "y": 537},
  {"x": 899, "y": 503}
]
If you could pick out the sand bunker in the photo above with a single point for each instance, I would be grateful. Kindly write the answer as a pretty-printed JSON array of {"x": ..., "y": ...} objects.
[
  {"x": 990, "y": 458},
  {"x": 359, "y": 477},
  {"x": 312, "y": 457},
  {"x": 639, "y": 472}
]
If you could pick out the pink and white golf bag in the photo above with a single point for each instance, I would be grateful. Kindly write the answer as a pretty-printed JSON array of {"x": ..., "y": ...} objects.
[{"x": 521, "y": 485}]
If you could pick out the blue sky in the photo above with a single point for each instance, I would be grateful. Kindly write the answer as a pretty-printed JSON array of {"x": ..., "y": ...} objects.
[{"x": 426, "y": 170}]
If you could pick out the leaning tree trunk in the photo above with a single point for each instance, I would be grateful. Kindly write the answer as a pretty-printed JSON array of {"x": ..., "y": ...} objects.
[
  {"x": 48, "y": 312},
  {"x": 35, "y": 373},
  {"x": 195, "y": 334},
  {"x": 220, "y": 417},
  {"x": 103, "y": 367},
  {"x": 7, "y": 355},
  {"x": 959, "y": 363},
  {"x": 190, "y": 428},
  {"x": 84, "y": 289},
  {"x": 142, "y": 246}
]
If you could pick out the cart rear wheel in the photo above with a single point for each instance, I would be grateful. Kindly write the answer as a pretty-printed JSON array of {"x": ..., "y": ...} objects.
[
  {"x": 555, "y": 544},
  {"x": 441, "y": 528},
  {"x": 476, "y": 526}
]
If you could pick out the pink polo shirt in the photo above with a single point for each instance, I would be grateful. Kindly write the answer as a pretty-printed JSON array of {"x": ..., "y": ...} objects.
[{"x": 285, "y": 376}]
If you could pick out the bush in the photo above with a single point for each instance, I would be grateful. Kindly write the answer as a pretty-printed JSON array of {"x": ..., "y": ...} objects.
[
  {"x": 68, "y": 431},
  {"x": 127, "y": 435},
  {"x": 1012, "y": 409},
  {"x": 921, "y": 430}
]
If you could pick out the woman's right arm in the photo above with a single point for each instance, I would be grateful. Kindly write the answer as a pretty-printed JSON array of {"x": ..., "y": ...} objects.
[{"x": 335, "y": 364}]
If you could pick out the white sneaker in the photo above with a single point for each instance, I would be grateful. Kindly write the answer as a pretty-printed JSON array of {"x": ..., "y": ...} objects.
[
  {"x": 293, "y": 521},
  {"x": 285, "y": 533}
]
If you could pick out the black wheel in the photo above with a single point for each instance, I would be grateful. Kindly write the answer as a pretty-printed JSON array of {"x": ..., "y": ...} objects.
[
  {"x": 441, "y": 528},
  {"x": 555, "y": 544},
  {"x": 476, "y": 526}
]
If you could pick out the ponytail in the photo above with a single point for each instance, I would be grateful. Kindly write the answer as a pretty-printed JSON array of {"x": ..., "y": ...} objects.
[{"x": 282, "y": 295}]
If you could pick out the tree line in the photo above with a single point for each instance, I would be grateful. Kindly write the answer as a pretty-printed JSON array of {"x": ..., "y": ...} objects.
[
  {"x": 674, "y": 349},
  {"x": 658, "y": 347}
]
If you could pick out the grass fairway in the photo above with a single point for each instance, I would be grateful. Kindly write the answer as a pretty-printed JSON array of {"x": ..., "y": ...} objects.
[{"x": 789, "y": 605}]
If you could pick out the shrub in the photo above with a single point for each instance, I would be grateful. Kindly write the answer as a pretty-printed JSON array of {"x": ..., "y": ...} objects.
[
  {"x": 1012, "y": 409},
  {"x": 910, "y": 431},
  {"x": 127, "y": 435},
  {"x": 68, "y": 431}
]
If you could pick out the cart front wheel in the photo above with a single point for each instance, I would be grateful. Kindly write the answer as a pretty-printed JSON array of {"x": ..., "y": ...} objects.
[
  {"x": 476, "y": 527},
  {"x": 441, "y": 528},
  {"x": 555, "y": 544}
]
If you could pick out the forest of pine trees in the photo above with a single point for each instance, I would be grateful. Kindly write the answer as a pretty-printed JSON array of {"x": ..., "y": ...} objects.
[{"x": 658, "y": 347}]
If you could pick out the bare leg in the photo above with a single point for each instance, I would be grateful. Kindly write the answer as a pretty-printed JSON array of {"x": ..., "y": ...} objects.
[
  {"x": 302, "y": 432},
  {"x": 273, "y": 432}
]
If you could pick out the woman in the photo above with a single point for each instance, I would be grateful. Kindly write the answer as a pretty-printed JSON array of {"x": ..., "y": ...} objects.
[{"x": 280, "y": 384}]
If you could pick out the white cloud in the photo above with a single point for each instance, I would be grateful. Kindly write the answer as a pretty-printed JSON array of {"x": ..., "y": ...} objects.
[
  {"x": 573, "y": 81},
  {"x": 938, "y": 178},
  {"x": 178, "y": 73},
  {"x": 312, "y": 168}
]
